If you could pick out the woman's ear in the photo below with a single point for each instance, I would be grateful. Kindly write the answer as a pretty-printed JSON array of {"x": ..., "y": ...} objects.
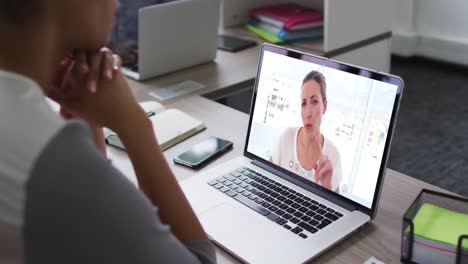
[{"x": 325, "y": 103}]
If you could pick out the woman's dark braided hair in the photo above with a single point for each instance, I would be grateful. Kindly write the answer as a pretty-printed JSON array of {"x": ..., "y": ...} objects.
[{"x": 16, "y": 11}]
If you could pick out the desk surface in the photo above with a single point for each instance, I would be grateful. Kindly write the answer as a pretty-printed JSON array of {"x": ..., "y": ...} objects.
[{"x": 380, "y": 238}]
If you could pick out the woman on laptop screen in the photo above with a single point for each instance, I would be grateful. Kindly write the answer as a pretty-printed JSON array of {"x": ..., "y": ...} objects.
[{"x": 304, "y": 150}]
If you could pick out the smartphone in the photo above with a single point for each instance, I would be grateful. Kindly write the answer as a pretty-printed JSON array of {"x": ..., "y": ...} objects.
[
  {"x": 234, "y": 44},
  {"x": 201, "y": 153}
]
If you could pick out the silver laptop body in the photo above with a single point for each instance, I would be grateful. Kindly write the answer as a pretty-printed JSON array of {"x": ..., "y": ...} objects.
[
  {"x": 175, "y": 35},
  {"x": 252, "y": 229}
]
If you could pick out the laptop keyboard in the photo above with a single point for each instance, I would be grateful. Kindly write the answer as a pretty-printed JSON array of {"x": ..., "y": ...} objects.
[{"x": 288, "y": 208}]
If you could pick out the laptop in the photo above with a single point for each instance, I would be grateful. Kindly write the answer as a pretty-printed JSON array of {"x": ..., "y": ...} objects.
[
  {"x": 265, "y": 211},
  {"x": 175, "y": 35}
]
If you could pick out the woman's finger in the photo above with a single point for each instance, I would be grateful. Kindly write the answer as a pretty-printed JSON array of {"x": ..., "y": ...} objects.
[
  {"x": 94, "y": 72},
  {"x": 117, "y": 63},
  {"x": 82, "y": 62},
  {"x": 318, "y": 167},
  {"x": 107, "y": 64}
]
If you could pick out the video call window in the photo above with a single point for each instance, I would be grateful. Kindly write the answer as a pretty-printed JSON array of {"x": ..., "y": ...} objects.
[{"x": 322, "y": 124}]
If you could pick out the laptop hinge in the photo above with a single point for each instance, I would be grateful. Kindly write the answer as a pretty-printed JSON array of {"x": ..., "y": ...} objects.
[{"x": 325, "y": 195}]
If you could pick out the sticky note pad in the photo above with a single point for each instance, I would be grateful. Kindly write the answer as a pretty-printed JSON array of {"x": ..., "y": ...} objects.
[
  {"x": 176, "y": 90},
  {"x": 439, "y": 224}
]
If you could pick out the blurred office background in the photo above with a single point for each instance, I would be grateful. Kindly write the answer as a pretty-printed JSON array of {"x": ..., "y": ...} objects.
[{"x": 430, "y": 52}]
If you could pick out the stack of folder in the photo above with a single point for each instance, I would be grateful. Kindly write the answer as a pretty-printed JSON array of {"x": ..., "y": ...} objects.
[
  {"x": 436, "y": 234},
  {"x": 283, "y": 23}
]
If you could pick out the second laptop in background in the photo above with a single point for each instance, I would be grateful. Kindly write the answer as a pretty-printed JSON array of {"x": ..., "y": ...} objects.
[{"x": 174, "y": 36}]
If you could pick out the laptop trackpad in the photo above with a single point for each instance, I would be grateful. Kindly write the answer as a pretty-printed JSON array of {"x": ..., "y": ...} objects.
[{"x": 241, "y": 229}]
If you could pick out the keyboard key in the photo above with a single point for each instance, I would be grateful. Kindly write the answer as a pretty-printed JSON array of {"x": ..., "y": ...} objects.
[
  {"x": 292, "y": 191},
  {"x": 313, "y": 222},
  {"x": 326, "y": 221},
  {"x": 252, "y": 196},
  {"x": 298, "y": 214},
  {"x": 288, "y": 201},
  {"x": 331, "y": 216},
  {"x": 247, "y": 180},
  {"x": 321, "y": 226},
  {"x": 240, "y": 170},
  {"x": 243, "y": 184},
  {"x": 266, "y": 204},
  {"x": 273, "y": 208},
  {"x": 322, "y": 206},
  {"x": 224, "y": 189},
  {"x": 228, "y": 183},
  {"x": 306, "y": 204},
  {"x": 235, "y": 174},
  {"x": 290, "y": 210},
  {"x": 243, "y": 178},
  {"x": 299, "y": 194},
  {"x": 297, "y": 230},
  {"x": 308, "y": 227},
  {"x": 318, "y": 217},
  {"x": 237, "y": 181},
  {"x": 281, "y": 198},
  {"x": 280, "y": 212},
  {"x": 307, "y": 198},
  {"x": 321, "y": 211},
  {"x": 285, "y": 193},
  {"x": 221, "y": 179},
  {"x": 305, "y": 218},
  {"x": 313, "y": 207},
  {"x": 281, "y": 221},
  {"x": 303, "y": 209},
  {"x": 252, "y": 205},
  {"x": 273, "y": 217},
  {"x": 267, "y": 191},
  {"x": 231, "y": 193},
  {"x": 262, "y": 195},
  {"x": 295, "y": 205},
  {"x": 292, "y": 196},
  {"x": 246, "y": 193},
  {"x": 213, "y": 182},
  {"x": 314, "y": 202},
  {"x": 283, "y": 206},
  {"x": 234, "y": 186},
  {"x": 310, "y": 213},
  {"x": 245, "y": 173},
  {"x": 218, "y": 185},
  {"x": 254, "y": 191},
  {"x": 330, "y": 210},
  {"x": 276, "y": 202},
  {"x": 338, "y": 214},
  {"x": 278, "y": 189},
  {"x": 259, "y": 200},
  {"x": 270, "y": 199},
  {"x": 240, "y": 190},
  {"x": 288, "y": 227},
  {"x": 299, "y": 200},
  {"x": 303, "y": 235},
  {"x": 274, "y": 195},
  {"x": 249, "y": 188},
  {"x": 287, "y": 216},
  {"x": 294, "y": 220}
]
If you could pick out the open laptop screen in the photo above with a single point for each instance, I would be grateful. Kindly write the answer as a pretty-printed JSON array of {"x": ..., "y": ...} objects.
[{"x": 325, "y": 122}]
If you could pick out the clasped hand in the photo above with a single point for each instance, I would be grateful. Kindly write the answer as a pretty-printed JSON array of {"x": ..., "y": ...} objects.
[{"x": 91, "y": 86}]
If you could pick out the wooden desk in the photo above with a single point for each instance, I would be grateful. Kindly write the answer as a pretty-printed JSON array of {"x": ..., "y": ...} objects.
[{"x": 381, "y": 238}]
